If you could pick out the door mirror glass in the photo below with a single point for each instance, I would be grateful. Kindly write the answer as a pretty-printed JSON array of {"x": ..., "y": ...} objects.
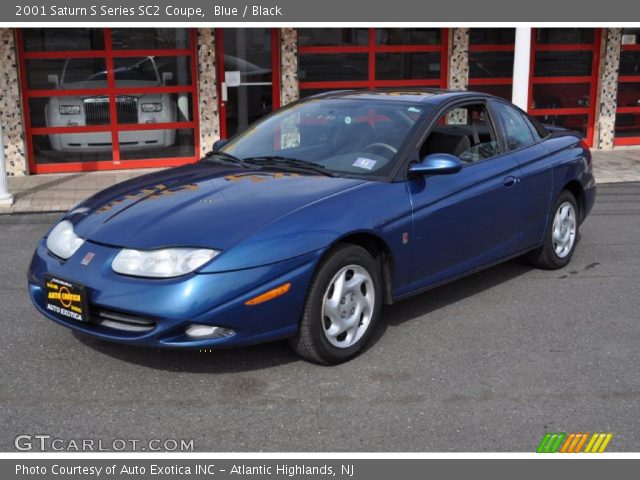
[
  {"x": 437, "y": 164},
  {"x": 218, "y": 144}
]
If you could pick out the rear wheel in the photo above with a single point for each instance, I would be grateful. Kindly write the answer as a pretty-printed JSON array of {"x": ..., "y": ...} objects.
[
  {"x": 342, "y": 307},
  {"x": 561, "y": 237}
]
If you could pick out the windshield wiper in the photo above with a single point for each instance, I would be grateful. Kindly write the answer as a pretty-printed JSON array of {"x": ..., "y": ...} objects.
[
  {"x": 217, "y": 155},
  {"x": 290, "y": 164}
]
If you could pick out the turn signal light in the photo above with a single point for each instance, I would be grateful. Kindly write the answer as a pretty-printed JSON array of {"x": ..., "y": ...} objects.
[{"x": 270, "y": 295}]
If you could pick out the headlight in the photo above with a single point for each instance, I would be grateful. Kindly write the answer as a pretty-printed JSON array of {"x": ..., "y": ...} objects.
[
  {"x": 69, "y": 109},
  {"x": 62, "y": 241},
  {"x": 166, "y": 263},
  {"x": 151, "y": 107},
  {"x": 583, "y": 102}
]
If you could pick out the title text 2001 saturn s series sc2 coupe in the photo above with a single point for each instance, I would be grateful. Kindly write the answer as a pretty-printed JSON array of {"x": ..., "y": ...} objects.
[{"x": 302, "y": 226}]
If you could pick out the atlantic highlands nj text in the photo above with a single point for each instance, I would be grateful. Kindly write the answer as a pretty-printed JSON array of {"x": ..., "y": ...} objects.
[
  {"x": 205, "y": 469},
  {"x": 182, "y": 11}
]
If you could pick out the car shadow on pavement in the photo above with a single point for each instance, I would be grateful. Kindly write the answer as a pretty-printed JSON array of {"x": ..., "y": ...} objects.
[
  {"x": 242, "y": 359},
  {"x": 278, "y": 353},
  {"x": 434, "y": 299}
]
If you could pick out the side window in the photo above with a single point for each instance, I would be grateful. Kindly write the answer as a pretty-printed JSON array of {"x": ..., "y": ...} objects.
[
  {"x": 517, "y": 132},
  {"x": 465, "y": 132}
]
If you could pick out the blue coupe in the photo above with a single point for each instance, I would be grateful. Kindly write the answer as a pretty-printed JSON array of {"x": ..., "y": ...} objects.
[{"x": 305, "y": 224}]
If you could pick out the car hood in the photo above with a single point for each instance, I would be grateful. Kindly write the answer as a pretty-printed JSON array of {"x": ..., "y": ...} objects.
[{"x": 200, "y": 205}]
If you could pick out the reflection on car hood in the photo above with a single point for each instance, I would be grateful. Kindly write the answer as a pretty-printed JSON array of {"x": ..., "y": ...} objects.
[{"x": 200, "y": 205}]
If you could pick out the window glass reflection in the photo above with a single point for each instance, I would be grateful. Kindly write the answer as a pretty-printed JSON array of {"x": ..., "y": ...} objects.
[
  {"x": 62, "y": 39},
  {"x": 332, "y": 36},
  {"x": 149, "y": 38},
  {"x": 563, "y": 64}
]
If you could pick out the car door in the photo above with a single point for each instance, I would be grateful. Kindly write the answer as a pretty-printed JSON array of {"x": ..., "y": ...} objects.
[
  {"x": 522, "y": 140},
  {"x": 471, "y": 218}
]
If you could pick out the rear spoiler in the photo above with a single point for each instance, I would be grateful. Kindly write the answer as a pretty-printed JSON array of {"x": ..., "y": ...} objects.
[
  {"x": 555, "y": 128},
  {"x": 562, "y": 130}
]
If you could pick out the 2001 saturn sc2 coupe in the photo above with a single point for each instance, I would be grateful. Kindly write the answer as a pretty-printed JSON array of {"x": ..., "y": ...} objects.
[{"x": 304, "y": 225}]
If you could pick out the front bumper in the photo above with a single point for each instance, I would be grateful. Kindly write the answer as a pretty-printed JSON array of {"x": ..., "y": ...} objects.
[
  {"x": 169, "y": 306},
  {"x": 102, "y": 141}
]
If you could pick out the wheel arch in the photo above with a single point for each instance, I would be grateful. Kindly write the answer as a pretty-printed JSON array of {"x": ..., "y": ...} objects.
[
  {"x": 575, "y": 188},
  {"x": 379, "y": 250}
]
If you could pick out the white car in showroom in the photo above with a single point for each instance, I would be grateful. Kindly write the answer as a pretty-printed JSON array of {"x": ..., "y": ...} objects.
[{"x": 146, "y": 108}]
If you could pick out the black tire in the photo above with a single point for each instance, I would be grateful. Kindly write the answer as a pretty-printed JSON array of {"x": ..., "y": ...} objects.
[
  {"x": 311, "y": 343},
  {"x": 545, "y": 257}
]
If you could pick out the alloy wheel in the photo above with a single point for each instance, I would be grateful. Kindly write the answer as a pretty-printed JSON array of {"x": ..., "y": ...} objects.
[
  {"x": 348, "y": 306},
  {"x": 564, "y": 229}
]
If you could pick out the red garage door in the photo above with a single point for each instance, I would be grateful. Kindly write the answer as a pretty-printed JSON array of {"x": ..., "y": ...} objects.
[
  {"x": 99, "y": 99},
  {"x": 344, "y": 58},
  {"x": 564, "y": 77},
  {"x": 491, "y": 61},
  {"x": 627, "y": 131}
]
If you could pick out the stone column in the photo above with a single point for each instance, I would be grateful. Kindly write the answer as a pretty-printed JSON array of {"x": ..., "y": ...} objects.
[
  {"x": 6, "y": 199},
  {"x": 608, "y": 88},
  {"x": 458, "y": 78},
  {"x": 207, "y": 90},
  {"x": 11, "y": 106},
  {"x": 289, "y": 88}
]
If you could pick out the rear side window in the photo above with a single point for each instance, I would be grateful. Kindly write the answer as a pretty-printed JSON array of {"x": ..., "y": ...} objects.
[
  {"x": 538, "y": 130},
  {"x": 516, "y": 130}
]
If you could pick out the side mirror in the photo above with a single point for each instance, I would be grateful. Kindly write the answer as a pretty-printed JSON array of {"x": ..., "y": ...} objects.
[
  {"x": 218, "y": 144},
  {"x": 53, "y": 78},
  {"x": 167, "y": 77},
  {"x": 437, "y": 164}
]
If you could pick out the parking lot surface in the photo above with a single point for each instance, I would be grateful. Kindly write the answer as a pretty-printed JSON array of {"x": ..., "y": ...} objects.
[{"x": 488, "y": 363}]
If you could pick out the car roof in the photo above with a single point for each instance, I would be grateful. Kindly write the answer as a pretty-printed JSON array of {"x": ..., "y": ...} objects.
[{"x": 409, "y": 95}]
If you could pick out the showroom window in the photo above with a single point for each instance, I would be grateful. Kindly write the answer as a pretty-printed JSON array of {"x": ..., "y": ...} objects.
[
  {"x": 248, "y": 66},
  {"x": 491, "y": 60},
  {"x": 627, "y": 129},
  {"x": 345, "y": 58},
  {"x": 99, "y": 99},
  {"x": 564, "y": 77}
]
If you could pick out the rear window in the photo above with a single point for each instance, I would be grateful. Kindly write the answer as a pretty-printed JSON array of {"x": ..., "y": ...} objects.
[{"x": 537, "y": 127}]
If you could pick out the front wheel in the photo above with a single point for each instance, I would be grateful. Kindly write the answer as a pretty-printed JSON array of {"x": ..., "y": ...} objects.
[
  {"x": 342, "y": 307},
  {"x": 561, "y": 237}
]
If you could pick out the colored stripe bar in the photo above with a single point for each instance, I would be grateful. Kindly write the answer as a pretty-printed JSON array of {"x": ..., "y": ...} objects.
[
  {"x": 558, "y": 441},
  {"x": 599, "y": 440},
  {"x": 571, "y": 439},
  {"x": 593, "y": 439},
  {"x": 598, "y": 443},
  {"x": 573, "y": 442},
  {"x": 550, "y": 443},
  {"x": 606, "y": 441},
  {"x": 542, "y": 448},
  {"x": 581, "y": 443}
]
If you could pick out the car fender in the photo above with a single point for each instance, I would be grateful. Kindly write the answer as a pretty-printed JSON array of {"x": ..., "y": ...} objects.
[
  {"x": 571, "y": 162},
  {"x": 381, "y": 209}
]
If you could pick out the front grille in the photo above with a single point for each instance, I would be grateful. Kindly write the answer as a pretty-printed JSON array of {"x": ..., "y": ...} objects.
[
  {"x": 121, "y": 321},
  {"x": 96, "y": 110}
]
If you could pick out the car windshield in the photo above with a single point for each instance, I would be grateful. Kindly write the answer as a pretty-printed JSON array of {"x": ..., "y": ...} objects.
[
  {"x": 90, "y": 70},
  {"x": 342, "y": 136}
]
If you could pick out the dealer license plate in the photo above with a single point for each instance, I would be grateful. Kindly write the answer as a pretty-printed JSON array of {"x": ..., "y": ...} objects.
[{"x": 65, "y": 299}]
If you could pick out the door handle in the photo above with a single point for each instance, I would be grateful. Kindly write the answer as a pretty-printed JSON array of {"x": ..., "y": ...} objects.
[{"x": 510, "y": 181}]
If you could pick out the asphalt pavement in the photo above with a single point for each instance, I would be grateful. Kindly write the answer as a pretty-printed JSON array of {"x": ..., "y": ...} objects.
[{"x": 488, "y": 363}]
